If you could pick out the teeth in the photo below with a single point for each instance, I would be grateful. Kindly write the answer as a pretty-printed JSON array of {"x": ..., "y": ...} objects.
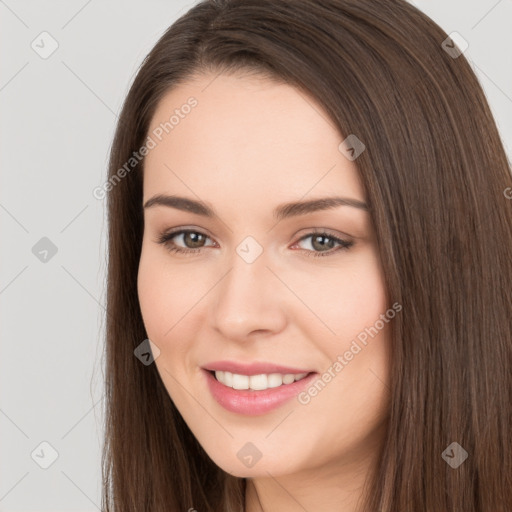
[
  {"x": 228, "y": 379},
  {"x": 257, "y": 382},
  {"x": 274, "y": 380},
  {"x": 288, "y": 378},
  {"x": 240, "y": 381}
]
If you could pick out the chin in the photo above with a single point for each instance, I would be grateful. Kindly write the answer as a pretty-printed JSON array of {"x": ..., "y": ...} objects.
[{"x": 275, "y": 465}]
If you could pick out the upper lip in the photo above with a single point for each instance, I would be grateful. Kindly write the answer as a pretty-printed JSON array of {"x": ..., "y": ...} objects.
[{"x": 255, "y": 368}]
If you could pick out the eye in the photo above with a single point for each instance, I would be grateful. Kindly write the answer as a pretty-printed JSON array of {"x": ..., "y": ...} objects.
[
  {"x": 195, "y": 240},
  {"x": 322, "y": 240}
]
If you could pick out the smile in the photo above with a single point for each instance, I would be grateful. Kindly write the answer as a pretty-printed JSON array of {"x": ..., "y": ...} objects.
[
  {"x": 256, "y": 394},
  {"x": 257, "y": 382}
]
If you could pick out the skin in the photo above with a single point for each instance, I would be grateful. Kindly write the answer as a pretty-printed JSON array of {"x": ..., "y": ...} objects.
[{"x": 249, "y": 145}]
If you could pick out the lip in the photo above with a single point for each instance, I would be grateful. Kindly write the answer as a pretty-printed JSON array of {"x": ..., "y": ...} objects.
[
  {"x": 253, "y": 403},
  {"x": 255, "y": 368}
]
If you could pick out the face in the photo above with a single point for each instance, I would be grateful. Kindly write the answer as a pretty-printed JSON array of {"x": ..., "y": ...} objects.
[{"x": 259, "y": 292}]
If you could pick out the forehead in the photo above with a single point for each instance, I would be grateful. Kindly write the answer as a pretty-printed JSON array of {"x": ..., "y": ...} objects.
[{"x": 245, "y": 138}]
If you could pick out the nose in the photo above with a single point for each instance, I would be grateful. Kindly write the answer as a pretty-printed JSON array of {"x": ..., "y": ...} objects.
[{"x": 249, "y": 299}]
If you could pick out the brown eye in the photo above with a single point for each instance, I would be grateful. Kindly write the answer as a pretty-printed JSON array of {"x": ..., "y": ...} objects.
[
  {"x": 192, "y": 240},
  {"x": 323, "y": 244}
]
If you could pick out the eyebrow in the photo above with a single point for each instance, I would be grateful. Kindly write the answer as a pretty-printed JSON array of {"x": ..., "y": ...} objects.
[{"x": 282, "y": 211}]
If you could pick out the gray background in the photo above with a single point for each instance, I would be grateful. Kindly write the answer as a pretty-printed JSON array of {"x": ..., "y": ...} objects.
[{"x": 57, "y": 123}]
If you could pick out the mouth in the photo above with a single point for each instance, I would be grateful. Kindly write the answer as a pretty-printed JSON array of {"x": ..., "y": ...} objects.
[
  {"x": 259, "y": 382},
  {"x": 253, "y": 395}
]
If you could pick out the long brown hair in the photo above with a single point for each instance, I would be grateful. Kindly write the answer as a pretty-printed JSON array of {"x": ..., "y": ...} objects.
[{"x": 435, "y": 173}]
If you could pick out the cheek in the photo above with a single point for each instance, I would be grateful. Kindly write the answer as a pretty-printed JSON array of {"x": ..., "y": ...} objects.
[
  {"x": 354, "y": 306},
  {"x": 151, "y": 298},
  {"x": 348, "y": 300},
  {"x": 170, "y": 302},
  {"x": 162, "y": 289},
  {"x": 160, "y": 305}
]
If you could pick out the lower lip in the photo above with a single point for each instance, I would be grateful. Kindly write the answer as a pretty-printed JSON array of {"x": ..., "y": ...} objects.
[{"x": 253, "y": 403}]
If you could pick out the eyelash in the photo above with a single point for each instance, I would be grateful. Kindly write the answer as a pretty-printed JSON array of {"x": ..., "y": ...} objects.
[{"x": 344, "y": 245}]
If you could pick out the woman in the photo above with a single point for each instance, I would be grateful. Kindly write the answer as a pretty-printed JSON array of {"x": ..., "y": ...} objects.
[{"x": 244, "y": 375}]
